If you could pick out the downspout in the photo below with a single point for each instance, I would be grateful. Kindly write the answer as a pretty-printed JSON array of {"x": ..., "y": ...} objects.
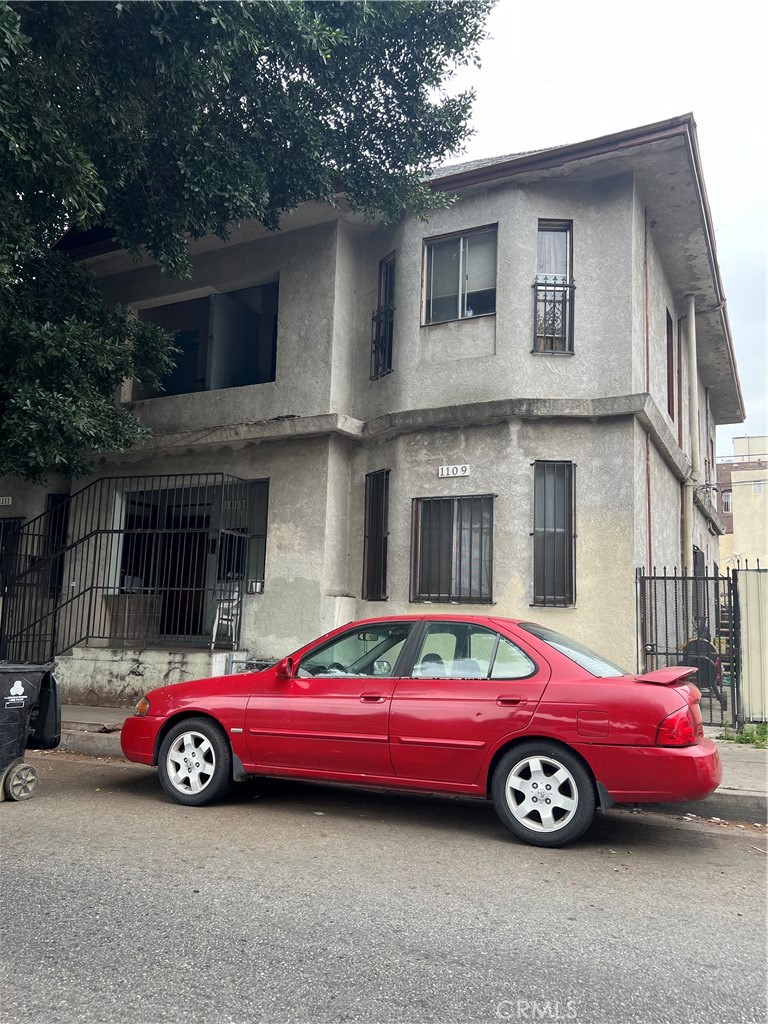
[
  {"x": 693, "y": 422},
  {"x": 648, "y": 390},
  {"x": 680, "y": 441}
]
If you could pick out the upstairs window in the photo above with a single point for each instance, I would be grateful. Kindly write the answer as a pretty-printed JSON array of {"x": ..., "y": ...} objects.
[
  {"x": 382, "y": 325},
  {"x": 452, "y": 549},
  {"x": 727, "y": 497},
  {"x": 376, "y": 533},
  {"x": 554, "y": 535},
  {"x": 670, "y": 367},
  {"x": 460, "y": 276},
  {"x": 553, "y": 289},
  {"x": 225, "y": 340}
]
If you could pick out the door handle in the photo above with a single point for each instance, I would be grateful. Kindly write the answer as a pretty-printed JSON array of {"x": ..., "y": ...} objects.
[
  {"x": 372, "y": 698},
  {"x": 508, "y": 702}
]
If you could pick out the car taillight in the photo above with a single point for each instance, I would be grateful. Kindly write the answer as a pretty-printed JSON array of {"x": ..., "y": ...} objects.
[{"x": 678, "y": 729}]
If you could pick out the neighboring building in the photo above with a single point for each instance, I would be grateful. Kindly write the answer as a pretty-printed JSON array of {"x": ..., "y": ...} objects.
[
  {"x": 511, "y": 429},
  {"x": 742, "y": 482}
]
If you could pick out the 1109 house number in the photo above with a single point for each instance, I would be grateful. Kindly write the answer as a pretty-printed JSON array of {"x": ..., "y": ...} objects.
[{"x": 443, "y": 471}]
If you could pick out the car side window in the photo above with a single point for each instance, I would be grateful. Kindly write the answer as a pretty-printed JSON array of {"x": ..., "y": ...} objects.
[
  {"x": 370, "y": 652},
  {"x": 462, "y": 650},
  {"x": 510, "y": 662}
]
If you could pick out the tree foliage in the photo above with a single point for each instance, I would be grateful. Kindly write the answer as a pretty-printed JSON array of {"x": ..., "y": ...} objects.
[{"x": 172, "y": 120}]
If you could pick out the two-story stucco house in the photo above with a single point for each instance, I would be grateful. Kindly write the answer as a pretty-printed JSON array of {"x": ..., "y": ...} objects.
[{"x": 509, "y": 407}]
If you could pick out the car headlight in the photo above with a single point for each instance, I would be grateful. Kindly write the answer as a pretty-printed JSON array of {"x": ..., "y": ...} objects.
[{"x": 142, "y": 708}]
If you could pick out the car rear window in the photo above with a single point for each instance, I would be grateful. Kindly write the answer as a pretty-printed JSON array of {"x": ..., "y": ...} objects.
[{"x": 585, "y": 658}]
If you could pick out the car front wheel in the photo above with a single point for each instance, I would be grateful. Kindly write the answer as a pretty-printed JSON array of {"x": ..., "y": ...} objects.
[
  {"x": 195, "y": 762},
  {"x": 543, "y": 794}
]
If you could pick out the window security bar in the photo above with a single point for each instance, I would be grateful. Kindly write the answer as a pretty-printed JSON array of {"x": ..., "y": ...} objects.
[
  {"x": 553, "y": 315},
  {"x": 382, "y": 330}
]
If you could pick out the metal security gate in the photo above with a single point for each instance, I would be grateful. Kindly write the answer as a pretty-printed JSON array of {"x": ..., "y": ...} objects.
[
  {"x": 693, "y": 620},
  {"x": 135, "y": 561}
]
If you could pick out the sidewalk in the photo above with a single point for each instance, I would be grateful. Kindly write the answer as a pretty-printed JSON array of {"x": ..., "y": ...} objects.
[{"x": 742, "y": 796}]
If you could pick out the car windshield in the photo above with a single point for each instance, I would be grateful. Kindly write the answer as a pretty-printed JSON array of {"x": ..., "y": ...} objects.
[{"x": 583, "y": 656}]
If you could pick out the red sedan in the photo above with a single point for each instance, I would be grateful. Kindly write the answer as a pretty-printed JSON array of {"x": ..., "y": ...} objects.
[{"x": 472, "y": 705}]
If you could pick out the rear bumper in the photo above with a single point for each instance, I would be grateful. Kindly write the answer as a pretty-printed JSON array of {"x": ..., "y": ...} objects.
[
  {"x": 656, "y": 774},
  {"x": 137, "y": 738}
]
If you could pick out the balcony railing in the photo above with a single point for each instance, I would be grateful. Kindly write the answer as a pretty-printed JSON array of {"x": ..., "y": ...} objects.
[
  {"x": 381, "y": 341},
  {"x": 553, "y": 315}
]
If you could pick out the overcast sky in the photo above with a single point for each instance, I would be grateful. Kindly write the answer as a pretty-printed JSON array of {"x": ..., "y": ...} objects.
[{"x": 564, "y": 72}]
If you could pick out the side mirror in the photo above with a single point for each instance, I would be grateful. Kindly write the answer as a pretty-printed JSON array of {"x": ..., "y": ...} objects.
[{"x": 284, "y": 669}]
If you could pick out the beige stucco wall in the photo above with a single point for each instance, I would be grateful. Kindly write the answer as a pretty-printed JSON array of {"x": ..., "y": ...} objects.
[
  {"x": 750, "y": 516},
  {"x": 748, "y": 540}
]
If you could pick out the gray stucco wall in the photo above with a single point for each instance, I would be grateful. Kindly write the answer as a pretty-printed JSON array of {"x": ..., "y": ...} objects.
[
  {"x": 501, "y": 460},
  {"x": 328, "y": 290},
  {"x": 304, "y": 261},
  {"x": 490, "y": 357}
]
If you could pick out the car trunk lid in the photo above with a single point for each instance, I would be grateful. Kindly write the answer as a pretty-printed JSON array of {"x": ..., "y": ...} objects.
[{"x": 681, "y": 678}]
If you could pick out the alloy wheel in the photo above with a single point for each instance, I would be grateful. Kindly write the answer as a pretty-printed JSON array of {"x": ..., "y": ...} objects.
[
  {"x": 191, "y": 762},
  {"x": 541, "y": 794}
]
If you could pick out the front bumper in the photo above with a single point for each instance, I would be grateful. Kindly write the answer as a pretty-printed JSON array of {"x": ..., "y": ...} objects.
[{"x": 138, "y": 737}]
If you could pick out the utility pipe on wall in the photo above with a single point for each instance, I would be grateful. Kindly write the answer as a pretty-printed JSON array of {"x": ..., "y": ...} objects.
[
  {"x": 646, "y": 318},
  {"x": 693, "y": 422}
]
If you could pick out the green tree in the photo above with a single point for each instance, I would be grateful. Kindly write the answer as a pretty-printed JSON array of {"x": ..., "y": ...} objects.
[{"x": 164, "y": 121}]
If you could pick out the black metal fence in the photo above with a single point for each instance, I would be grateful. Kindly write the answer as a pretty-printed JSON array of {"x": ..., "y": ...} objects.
[
  {"x": 693, "y": 620},
  {"x": 135, "y": 561}
]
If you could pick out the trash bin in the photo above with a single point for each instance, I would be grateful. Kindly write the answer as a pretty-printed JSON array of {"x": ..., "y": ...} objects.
[{"x": 30, "y": 719}]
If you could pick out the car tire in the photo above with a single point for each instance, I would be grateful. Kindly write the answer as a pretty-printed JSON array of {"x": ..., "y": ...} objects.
[
  {"x": 543, "y": 793},
  {"x": 195, "y": 762}
]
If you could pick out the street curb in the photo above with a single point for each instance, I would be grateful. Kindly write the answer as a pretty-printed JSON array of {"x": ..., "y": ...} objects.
[
  {"x": 98, "y": 744},
  {"x": 728, "y": 804}
]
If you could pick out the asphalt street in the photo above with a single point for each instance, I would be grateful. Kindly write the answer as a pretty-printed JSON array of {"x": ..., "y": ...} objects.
[{"x": 307, "y": 903}]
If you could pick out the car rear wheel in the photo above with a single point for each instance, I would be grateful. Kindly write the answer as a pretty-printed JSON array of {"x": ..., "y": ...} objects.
[
  {"x": 195, "y": 762},
  {"x": 543, "y": 794}
]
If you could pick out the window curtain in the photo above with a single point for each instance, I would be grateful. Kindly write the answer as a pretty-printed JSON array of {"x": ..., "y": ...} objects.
[{"x": 552, "y": 254}]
